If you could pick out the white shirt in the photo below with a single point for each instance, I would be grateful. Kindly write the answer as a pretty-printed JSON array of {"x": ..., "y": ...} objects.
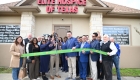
[{"x": 27, "y": 49}]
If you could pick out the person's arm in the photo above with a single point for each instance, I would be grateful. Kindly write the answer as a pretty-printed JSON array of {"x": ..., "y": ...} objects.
[
  {"x": 76, "y": 43},
  {"x": 12, "y": 50},
  {"x": 113, "y": 48},
  {"x": 100, "y": 58},
  {"x": 118, "y": 48},
  {"x": 45, "y": 45}
]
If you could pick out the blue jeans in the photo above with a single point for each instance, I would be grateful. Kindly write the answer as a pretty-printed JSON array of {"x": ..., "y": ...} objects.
[
  {"x": 116, "y": 63},
  {"x": 15, "y": 71}
]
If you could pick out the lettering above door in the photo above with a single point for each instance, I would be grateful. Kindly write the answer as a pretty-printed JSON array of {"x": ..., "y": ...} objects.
[{"x": 63, "y": 6}]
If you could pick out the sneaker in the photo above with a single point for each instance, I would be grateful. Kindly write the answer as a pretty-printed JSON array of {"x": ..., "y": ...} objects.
[
  {"x": 51, "y": 77},
  {"x": 58, "y": 76},
  {"x": 44, "y": 78},
  {"x": 38, "y": 78}
]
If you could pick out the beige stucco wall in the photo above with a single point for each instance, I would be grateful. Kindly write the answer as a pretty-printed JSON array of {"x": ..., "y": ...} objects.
[
  {"x": 44, "y": 25},
  {"x": 10, "y": 19},
  {"x": 134, "y": 36},
  {"x": 4, "y": 47}
]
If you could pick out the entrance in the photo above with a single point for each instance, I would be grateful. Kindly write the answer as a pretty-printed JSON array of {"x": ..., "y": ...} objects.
[{"x": 61, "y": 30}]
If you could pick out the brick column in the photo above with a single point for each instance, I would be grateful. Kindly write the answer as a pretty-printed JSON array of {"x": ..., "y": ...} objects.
[
  {"x": 27, "y": 24},
  {"x": 96, "y": 23}
]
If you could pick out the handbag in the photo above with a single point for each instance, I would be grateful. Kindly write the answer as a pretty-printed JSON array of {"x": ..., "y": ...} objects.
[{"x": 22, "y": 73}]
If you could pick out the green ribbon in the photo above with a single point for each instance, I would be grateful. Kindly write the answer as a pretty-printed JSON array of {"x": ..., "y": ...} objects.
[{"x": 62, "y": 51}]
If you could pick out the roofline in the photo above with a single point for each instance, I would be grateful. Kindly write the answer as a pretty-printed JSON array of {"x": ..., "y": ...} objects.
[
  {"x": 24, "y": 8},
  {"x": 97, "y": 9},
  {"x": 24, "y": 2},
  {"x": 20, "y": 2},
  {"x": 98, "y": 3}
]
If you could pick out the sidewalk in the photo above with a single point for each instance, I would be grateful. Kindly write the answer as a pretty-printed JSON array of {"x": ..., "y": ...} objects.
[{"x": 8, "y": 76}]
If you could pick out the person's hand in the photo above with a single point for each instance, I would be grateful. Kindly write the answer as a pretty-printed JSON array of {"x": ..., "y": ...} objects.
[
  {"x": 66, "y": 58},
  {"x": 33, "y": 61},
  {"x": 108, "y": 54},
  {"x": 73, "y": 48},
  {"x": 91, "y": 52},
  {"x": 19, "y": 54},
  {"x": 52, "y": 39},
  {"x": 83, "y": 51},
  {"x": 50, "y": 45},
  {"x": 100, "y": 61}
]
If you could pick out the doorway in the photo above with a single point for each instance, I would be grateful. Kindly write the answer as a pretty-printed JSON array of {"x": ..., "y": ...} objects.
[{"x": 61, "y": 30}]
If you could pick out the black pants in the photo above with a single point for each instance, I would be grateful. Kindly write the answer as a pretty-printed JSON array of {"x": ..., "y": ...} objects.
[
  {"x": 107, "y": 67},
  {"x": 100, "y": 70},
  {"x": 77, "y": 66},
  {"x": 88, "y": 70}
]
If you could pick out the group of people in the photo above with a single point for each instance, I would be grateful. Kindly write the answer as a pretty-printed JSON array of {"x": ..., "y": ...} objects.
[{"x": 82, "y": 64}]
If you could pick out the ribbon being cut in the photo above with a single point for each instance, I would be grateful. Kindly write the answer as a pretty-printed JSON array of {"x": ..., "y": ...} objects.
[{"x": 63, "y": 51}]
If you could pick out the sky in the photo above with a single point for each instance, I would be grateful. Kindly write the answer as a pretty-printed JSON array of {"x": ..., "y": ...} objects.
[{"x": 129, "y": 3}]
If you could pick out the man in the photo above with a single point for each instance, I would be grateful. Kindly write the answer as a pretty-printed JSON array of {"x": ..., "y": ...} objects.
[
  {"x": 26, "y": 40},
  {"x": 54, "y": 59},
  {"x": 87, "y": 39},
  {"x": 111, "y": 49},
  {"x": 83, "y": 59},
  {"x": 94, "y": 57},
  {"x": 39, "y": 41},
  {"x": 99, "y": 62},
  {"x": 99, "y": 38},
  {"x": 71, "y": 43},
  {"x": 79, "y": 39},
  {"x": 116, "y": 58}
]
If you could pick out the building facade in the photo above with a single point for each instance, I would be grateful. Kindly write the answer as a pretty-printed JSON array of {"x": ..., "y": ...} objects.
[{"x": 82, "y": 17}]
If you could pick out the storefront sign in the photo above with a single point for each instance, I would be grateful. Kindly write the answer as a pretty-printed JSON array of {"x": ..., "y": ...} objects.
[
  {"x": 63, "y": 6},
  {"x": 120, "y": 33},
  {"x": 8, "y": 33}
]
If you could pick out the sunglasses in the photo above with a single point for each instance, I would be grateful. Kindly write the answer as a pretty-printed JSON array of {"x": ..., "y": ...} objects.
[
  {"x": 93, "y": 36},
  {"x": 43, "y": 41}
]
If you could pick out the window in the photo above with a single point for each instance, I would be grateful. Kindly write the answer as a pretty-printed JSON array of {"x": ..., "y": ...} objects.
[
  {"x": 121, "y": 34},
  {"x": 8, "y": 33}
]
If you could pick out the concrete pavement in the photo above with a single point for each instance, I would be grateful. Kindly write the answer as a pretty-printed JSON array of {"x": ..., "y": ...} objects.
[{"x": 8, "y": 76}]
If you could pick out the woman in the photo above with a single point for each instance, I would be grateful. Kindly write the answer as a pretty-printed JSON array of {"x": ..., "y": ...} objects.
[
  {"x": 45, "y": 59},
  {"x": 64, "y": 61},
  {"x": 16, "y": 50},
  {"x": 34, "y": 65}
]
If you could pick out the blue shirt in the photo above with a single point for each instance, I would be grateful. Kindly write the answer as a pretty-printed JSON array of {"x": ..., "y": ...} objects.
[{"x": 82, "y": 45}]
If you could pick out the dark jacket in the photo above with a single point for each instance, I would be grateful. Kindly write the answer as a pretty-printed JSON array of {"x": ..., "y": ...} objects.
[
  {"x": 95, "y": 45},
  {"x": 26, "y": 40},
  {"x": 33, "y": 49}
]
